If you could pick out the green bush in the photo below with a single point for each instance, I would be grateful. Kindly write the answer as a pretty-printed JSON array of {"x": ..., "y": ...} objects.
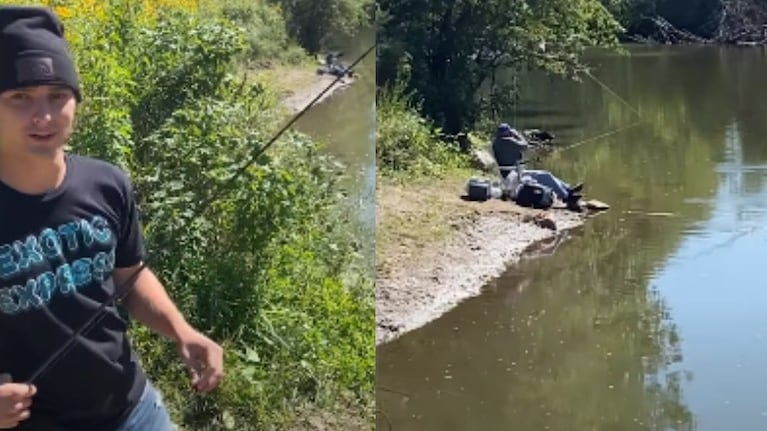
[
  {"x": 265, "y": 31},
  {"x": 264, "y": 268},
  {"x": 407, "y": 144},
  {"x": 312, "y": 22}
]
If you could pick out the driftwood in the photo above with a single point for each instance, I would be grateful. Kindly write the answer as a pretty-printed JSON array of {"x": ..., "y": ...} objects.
[
  {"x": 665, "y": 32},
  {"x": 742, "y": 22}
]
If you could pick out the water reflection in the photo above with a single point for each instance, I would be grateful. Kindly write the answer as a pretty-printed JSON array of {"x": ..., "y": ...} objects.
[
  {"x": 714, "y": 291},
  {"x": 649, "y": 317}
]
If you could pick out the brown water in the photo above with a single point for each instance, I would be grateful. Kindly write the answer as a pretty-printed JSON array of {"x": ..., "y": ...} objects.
[{"x": 652, "y": 316}]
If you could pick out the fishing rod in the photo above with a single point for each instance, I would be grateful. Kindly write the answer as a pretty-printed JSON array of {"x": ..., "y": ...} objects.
[
  {"x": 261, "y": 151},
  {"x": 122, "y": 292}
]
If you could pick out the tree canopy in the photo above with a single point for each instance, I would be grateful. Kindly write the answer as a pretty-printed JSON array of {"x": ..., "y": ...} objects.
[{"x": 447, "y": 50}]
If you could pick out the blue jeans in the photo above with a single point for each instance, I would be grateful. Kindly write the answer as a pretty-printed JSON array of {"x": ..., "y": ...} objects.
[
  {"x": 560, "y": 188},
  {"x": 546, "y": 178},
  {"x": 149, "y": 414}
]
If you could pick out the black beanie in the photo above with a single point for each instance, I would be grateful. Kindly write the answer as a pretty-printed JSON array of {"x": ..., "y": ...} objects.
[{"x": 33, "y": 50}]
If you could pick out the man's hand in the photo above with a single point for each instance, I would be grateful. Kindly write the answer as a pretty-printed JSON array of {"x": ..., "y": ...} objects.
[
  {"x": 15, "y": 399},
  {"x": 150, "y": 304},
  {"x": 204, "y": 359}
]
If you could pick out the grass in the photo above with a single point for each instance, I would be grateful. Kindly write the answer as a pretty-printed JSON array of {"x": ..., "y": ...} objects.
[{"x": 415, "y": 214}]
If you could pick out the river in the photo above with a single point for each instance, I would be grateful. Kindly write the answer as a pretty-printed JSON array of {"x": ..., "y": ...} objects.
[{"x": 652, "y": 315}]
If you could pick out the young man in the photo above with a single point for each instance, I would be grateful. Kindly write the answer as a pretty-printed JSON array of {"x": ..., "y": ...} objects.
[{"x": 69, "y": 236}]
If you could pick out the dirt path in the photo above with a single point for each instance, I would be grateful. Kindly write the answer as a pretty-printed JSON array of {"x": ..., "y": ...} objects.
[{"x": 434, "y": 249}]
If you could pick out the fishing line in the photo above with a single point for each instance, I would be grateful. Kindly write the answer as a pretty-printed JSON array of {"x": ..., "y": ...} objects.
[
  {"x": 122, "y": 292},
  {"x": 609, "y": 132},
  {"x": 393, "y": 391},
  {"x": 383, "y": 414},
  {"x": 600, "y": 136},
  {"x": 609, "y": 90}
]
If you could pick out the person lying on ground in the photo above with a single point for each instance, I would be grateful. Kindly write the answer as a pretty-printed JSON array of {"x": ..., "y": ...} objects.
[
  {"x": 508, "y": 149},
  {"x": 70, "y": 235}
]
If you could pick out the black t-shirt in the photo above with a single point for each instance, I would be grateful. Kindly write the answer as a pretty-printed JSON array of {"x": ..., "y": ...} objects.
[{"x": 57, "y": 252}]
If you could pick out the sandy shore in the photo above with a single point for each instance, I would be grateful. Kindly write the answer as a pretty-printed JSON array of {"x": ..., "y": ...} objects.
[
  {"x": 418, "y": 280},
  {"x": 302, "y": 96}
]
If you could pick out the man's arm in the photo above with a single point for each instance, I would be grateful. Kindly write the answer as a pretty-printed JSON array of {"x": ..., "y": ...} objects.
[{"x": 149, "y": 303}]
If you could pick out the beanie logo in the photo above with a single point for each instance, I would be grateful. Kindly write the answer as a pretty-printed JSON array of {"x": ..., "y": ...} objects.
[{"x": 34, "y": 69}]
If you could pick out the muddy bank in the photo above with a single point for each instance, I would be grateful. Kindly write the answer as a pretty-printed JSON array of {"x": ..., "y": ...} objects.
[
  {"x": 297, "y": 99},
  {"x": 418, "y": 280}
]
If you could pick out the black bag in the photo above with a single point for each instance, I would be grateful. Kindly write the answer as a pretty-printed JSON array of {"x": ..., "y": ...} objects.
[
  {"x": 534, "y": 195},
  {"x": 478, "y": 190}
]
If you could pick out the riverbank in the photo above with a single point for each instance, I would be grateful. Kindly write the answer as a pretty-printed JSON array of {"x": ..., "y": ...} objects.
[
  {"x": 298, "y": 85},
  {"x": 434, "y": 249}
]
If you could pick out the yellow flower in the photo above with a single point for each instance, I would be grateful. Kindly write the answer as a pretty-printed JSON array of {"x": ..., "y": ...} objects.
[{"x": 62, "y": 11}]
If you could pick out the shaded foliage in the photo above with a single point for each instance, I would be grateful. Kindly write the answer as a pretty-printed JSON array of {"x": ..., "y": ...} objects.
[
  {"x": 718, "y": 20},
  {"x": 314, "y": 22},
  {"x": 265, "y": 30}
]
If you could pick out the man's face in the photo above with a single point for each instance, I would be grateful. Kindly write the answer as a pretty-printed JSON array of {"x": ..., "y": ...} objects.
[{"x": 36, "y": 120}]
